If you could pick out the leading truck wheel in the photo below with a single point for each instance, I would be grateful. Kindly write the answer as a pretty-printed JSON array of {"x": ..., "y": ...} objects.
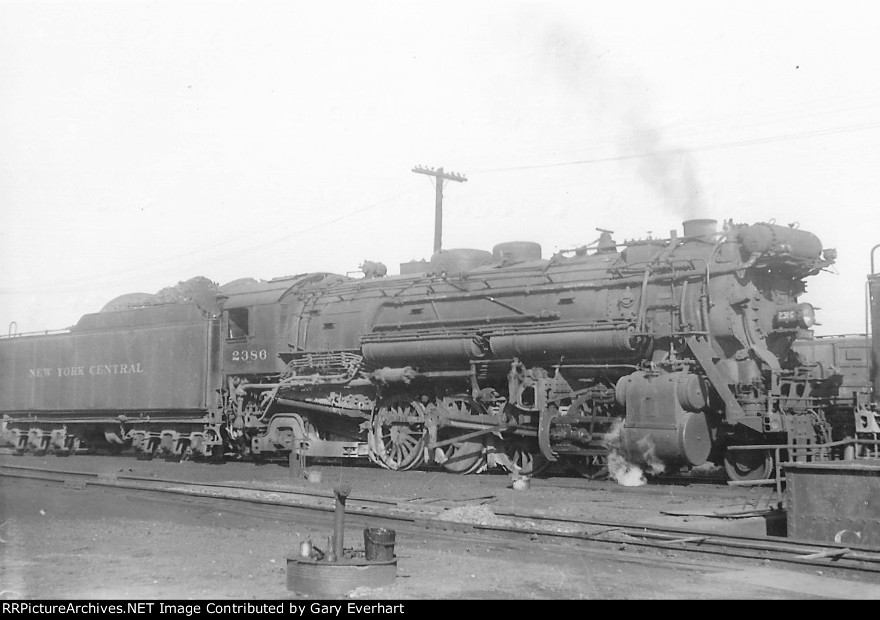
[
  {"x": 397, "y": 434},
  {"x": 742, "y": 465}
]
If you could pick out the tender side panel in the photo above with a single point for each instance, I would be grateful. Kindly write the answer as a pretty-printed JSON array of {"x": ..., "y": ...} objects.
[{"x": 138, "y": 368}]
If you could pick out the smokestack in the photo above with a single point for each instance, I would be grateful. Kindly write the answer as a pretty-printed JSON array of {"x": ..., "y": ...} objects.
[{"x": 700, "y": 229}]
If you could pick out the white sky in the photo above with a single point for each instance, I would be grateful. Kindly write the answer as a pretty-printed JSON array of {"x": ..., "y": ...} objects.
[{"x": 144, "y": 143}]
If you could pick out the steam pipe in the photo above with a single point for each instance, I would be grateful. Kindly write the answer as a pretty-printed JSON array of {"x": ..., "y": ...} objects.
[
  {"x": 469, "y": 321},
  {"x": 868, "y": 310},
  {"x": 307, "y": 406},
  {"x": 643, "y": 301},
  {"x": 869, "y": 313}
]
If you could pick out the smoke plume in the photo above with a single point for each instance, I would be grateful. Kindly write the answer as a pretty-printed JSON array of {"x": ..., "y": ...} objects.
[
  {"x": 669, "y": 171},
  {"x": 608, "y": 97}
]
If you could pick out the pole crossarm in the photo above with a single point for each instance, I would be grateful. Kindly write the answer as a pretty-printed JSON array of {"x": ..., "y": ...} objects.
[{"x": 439, "y": 172}]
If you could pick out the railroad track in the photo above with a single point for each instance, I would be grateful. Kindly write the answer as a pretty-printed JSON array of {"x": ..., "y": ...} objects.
[
  {"x": 559, "y": 478},
  {"x": 517, "y": 528}
]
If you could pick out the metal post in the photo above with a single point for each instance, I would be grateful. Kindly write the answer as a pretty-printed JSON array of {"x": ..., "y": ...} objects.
[
  {"x": 438, "y": 211},
  {"x": 439, "y": 175},
  {"x": 342, "y": 491},
  {"x": 778, "y": 475},
  {"x": 296, "y": 460}
]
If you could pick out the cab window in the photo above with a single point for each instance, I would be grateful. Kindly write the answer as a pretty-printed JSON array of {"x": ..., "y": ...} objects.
[{"x": 237, "y": 320}]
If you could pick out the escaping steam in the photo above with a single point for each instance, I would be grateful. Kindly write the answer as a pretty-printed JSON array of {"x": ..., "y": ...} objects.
[
  {"x": 624, "y": 472},
  {"x": 648, "y": 454},
  {"x": 621, "y": 468}
]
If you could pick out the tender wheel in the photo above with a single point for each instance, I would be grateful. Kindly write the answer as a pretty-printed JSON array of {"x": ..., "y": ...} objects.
[
  {"x": 523, "y": 459},
  {"x": 465, "y": 457},
  {"x": 397, "y": 434},
  {"x": 748, "y": 464},
  {"x": 71, "y": 445},
  {"x": 590, "y": 467}
]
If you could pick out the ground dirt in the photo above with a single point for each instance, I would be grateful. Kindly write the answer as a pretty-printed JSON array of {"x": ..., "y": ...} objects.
[{"x": 87, "y": 542}]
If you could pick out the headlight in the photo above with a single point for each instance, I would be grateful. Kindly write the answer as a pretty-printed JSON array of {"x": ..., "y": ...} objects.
[
  {"x": 803, "y": 316},
  {"x": 806, "y": 315}
]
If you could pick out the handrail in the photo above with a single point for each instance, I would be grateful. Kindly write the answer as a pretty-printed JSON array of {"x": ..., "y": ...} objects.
[
  {"x": 777, "y": 465},
  {"x": 13, "y": 334}
]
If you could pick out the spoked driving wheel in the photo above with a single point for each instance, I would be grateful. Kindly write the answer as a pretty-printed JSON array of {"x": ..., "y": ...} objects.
[
  {"x": 748, "y": 464},
  {"x": 523, "y": 457},
  {"x": 397, "y": 434},
  {"x": 461, "y": 457}
]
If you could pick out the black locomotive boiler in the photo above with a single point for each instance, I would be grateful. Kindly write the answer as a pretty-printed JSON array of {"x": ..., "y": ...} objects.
[{"x": 682, "y": 347}]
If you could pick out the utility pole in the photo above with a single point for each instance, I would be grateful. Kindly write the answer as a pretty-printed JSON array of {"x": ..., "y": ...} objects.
[{"x": 438, "y": 203}]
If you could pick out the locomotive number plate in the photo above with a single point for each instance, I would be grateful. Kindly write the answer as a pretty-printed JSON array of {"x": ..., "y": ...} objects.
[{"x": 249, "y": 356}]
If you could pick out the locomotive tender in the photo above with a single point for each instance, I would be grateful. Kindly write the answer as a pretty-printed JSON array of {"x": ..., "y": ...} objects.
[{"x": 669, "y": 351}]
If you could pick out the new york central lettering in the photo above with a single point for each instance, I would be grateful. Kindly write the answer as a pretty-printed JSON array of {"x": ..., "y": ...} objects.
[
  {"x": 116, "y": 369},
  {"x": 80, "y": 371}
]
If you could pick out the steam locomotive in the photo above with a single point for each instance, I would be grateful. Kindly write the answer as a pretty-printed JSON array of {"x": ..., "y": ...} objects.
[{"x": 674, "y": 351}]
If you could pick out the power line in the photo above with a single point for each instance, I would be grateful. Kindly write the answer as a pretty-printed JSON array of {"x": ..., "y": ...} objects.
[
  {"x": 679, "y": 150},
  {"x": 129, "y": 277}
]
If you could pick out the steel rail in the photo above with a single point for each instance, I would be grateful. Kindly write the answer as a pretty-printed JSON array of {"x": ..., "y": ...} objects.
[{"x": 225, "y": 485}]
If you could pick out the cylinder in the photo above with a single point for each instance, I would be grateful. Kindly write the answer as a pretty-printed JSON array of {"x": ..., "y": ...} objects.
[
  {"x": 597, "y": 346},
  {"x": 379, "y": 544},
  {"x": 703, "y": 229},
  {"x": 459, "y": 260},
  {"x": 413, "y": 266},
  {"x": 664, "y": 422},
  {"x": 305, "y": 548},
  {"x": 451, "y": 350},
  {"x": 692, "y": 393},
  {"x": 689, "y": 442},
  {"x": 517, "y": 251},
  {"x": 387, "y": 376}
]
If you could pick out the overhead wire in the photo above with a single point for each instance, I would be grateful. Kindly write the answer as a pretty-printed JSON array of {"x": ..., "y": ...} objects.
[
  {"x": 74, "y": 283},
  {"x": 688, "y": 149},
  {"x": 642, "y": 135},
  {"x": 263, "y": 243}
]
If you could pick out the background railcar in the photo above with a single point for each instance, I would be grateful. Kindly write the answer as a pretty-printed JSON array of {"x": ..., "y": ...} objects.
[{"x": 848, "y": 354}]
